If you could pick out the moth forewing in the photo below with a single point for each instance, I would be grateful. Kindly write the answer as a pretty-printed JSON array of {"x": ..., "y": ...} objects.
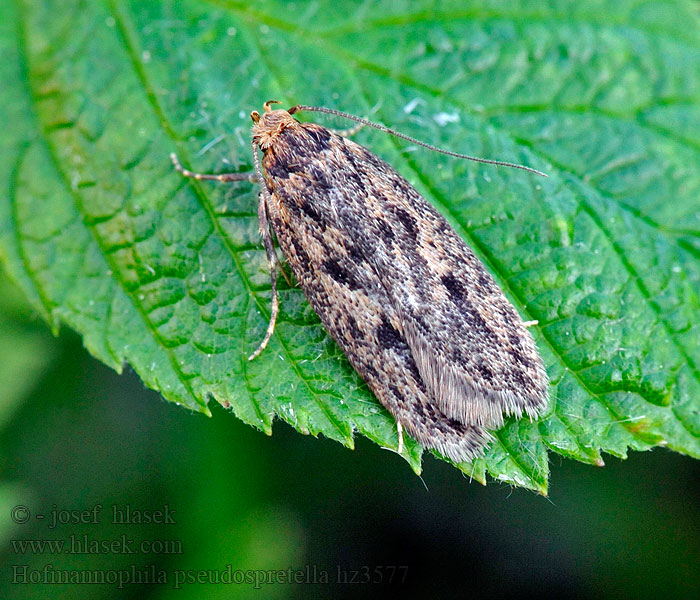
[{"x": 415, "y": 312}]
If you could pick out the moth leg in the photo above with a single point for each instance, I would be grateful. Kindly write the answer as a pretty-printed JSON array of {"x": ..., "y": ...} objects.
[
  {"x": 399, "y": 431},
  {"x": 264, "y": 223},
  {"x": 286, "y": 276},
  {"x": 211, "y": 176},
  {"x": 530, "y": 323},
  {"x": 272, "y": 263}
]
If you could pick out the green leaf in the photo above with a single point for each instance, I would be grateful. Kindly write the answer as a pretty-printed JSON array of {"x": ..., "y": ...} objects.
[{"x": 168, "y": 275}]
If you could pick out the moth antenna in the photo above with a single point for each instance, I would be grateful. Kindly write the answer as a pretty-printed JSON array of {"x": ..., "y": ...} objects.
[{"x": 408, "y": 138}]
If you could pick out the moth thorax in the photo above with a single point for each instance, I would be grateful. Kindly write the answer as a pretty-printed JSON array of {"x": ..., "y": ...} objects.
[{"x": 270, "y": 124}]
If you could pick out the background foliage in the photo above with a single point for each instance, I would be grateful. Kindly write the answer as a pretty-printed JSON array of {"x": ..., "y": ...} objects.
[{"x": 168, "y": 277}]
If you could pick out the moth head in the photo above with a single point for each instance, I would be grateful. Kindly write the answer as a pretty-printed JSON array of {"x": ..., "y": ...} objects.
[{"x": 270, "y": 124}]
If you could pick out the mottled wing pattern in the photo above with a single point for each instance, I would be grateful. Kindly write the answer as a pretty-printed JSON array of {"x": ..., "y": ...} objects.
[
  {"x": 470, "y": 345},
  {"x": 413, "y": 309}
]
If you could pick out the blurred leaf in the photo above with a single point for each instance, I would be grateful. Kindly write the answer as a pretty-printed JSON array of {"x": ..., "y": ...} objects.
[
  {"x": 11, "y": 495},
  {"x": 23, "y": 349},
  {"x": 169, "y": 277}
]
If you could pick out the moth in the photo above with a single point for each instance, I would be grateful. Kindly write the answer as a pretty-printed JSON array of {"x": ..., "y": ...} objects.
[{"x": 416, "y": 313}]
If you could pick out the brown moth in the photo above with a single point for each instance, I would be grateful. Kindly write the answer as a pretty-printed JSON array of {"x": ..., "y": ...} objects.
[{"x": 415, "y": 312}]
